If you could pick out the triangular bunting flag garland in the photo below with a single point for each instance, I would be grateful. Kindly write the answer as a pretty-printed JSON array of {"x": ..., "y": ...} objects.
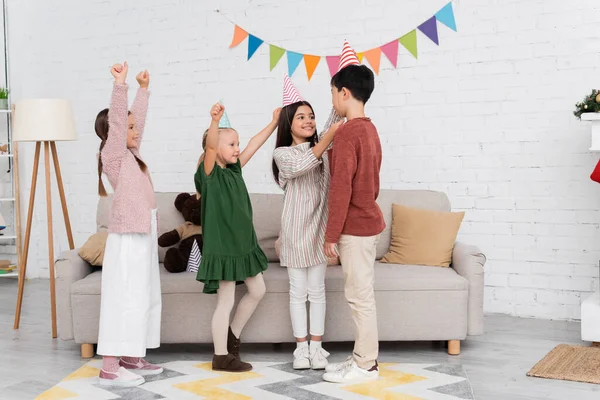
[
  {"x": 253, "y": 45},
  {"x": 446, "y": 16},
  {"x": 409, "y": 41},
  {"x": 429, "y": 28},
  {"x": 275, "y": 54}
]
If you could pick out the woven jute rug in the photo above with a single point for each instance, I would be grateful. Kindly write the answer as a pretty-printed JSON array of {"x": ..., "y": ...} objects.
[{"x": 570, "y": 363}]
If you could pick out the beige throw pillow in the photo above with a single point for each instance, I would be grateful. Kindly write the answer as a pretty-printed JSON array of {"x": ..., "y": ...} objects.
[
  {"x": 422, "y": 237},
  {"x": 93, "y": 250}
]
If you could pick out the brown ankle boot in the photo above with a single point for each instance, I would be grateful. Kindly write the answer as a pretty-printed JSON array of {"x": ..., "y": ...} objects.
[
  {"x": 233, "y": 344},
  {"x": 229, "y": 363}
]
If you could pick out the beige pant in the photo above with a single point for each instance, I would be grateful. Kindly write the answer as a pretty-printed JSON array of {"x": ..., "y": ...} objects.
[{"x": 357, "y": 255}]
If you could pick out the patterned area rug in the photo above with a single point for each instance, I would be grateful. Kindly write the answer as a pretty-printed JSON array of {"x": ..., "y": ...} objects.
[{"x": 187, "y": 380}]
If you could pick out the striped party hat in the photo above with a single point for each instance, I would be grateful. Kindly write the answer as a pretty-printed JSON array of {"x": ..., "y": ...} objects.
[
  {"x": 348, "y": 56},
  {"x": 290, "y": 93}
]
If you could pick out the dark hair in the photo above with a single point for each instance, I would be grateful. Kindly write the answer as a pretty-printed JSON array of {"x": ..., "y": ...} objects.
[
  {"x": 101, "y": 127},
  {"x": 284, "y": 131},
  {"x": 358, "y": 79}
]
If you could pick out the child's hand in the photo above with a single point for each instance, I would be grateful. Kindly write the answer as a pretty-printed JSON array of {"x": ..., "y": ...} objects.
[
  {"x": 143, "y": 78},
  {"x": 120, "y": 72},
  {"x": 330, "y": 250},
  {"x": 333, "y": 128},
  {"x": 216, "y": 112},
  {"x": 276, "y": 113}
]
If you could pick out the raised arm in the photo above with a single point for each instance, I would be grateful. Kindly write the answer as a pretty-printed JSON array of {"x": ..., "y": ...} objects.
[
  {"x": 116, "y": 143},
  {"x": 259, "y": 139},
  {"x": 212, "y": 138},
  {"x": 292, "y": 165},
  {"x": 139, "y": 108}
]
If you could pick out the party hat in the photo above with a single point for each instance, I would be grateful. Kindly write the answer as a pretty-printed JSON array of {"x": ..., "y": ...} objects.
[
  {"x": 348, "y": 56},
  {"x": 290, "y": 93},
  {"x": 224, "y": 121}
]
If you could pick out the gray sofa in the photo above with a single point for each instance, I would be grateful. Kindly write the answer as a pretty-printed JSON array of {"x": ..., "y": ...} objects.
[{"x": 414, "y": 303}]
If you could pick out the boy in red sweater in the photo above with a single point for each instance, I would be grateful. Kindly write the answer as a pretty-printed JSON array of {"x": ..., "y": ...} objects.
[{"x": 355, "y": 220}]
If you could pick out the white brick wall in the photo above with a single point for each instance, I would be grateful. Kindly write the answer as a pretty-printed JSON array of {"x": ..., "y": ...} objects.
[{"x": 486, "y": 116}]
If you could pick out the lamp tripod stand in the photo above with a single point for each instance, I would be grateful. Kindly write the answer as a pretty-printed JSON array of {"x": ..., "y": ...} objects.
[{"x": 23, "y": 267}]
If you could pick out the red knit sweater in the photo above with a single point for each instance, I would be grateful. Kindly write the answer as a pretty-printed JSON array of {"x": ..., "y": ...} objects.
[{"x": 355, "y": 163}]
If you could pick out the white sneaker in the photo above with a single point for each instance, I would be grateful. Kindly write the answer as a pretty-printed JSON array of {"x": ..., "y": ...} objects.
[
  {"x": 336, "y": 366},
  {"x": 301, "y": 358},
  {"x": 351, "y": 374},
  {"x": 122, "y": 378},
  {"x": 318, "y": 358}
]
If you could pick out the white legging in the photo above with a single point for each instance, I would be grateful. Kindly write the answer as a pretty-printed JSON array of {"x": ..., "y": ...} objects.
[{"x": 307, "y": 283}]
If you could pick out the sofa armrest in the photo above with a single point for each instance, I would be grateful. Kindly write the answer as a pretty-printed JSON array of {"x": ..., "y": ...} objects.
[
  {"x": 69, "y": 268},
  {"x": 468, "y": 262}
]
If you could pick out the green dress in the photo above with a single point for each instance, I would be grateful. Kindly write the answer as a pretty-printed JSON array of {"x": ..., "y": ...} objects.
[{"x": 230, "y": 251}]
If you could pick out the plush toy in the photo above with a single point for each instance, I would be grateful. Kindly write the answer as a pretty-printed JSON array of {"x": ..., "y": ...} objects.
[{"x": 188, "y": 235}]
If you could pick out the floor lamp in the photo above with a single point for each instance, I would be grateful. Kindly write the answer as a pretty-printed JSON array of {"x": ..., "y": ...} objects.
[{"x": 43, "y": 121}]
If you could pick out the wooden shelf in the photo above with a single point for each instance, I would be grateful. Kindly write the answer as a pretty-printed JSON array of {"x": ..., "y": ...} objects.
[{"x": 14, "y": 274}]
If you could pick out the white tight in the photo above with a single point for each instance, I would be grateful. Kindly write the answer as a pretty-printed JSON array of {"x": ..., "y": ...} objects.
[
  {"x": 307, "y": 283},
  {"x": 245, "y": 309}
]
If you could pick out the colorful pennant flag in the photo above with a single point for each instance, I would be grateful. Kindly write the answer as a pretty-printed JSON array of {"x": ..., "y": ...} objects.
[
  {"x": 429, "y": 28},
  {"x": 275, "y": 54},
  {"x": 409, "y": 41},
  {"x": 391, "y": 51},
  {"x": 446, "y": 16},
  {"x": 238, "y": 36},
  {"x": 293, "y": 61},
  {"x": 333, "y": 62},
  {"x": 373, "y": 56},
  {"x": 311, "y": 62},
  {"x": 253, "y": 45}
]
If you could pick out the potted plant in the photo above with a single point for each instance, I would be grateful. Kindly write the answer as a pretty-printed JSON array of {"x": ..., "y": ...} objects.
[
  {"x": 589, "y": 110},
  {"x": 3, "y": 98}
]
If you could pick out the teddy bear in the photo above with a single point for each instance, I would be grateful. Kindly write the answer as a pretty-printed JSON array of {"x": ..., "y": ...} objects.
[{"x": 186, "y": 234}]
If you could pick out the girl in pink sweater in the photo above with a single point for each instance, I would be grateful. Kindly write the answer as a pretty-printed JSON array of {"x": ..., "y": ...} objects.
[{"x": 131, "y": 305}]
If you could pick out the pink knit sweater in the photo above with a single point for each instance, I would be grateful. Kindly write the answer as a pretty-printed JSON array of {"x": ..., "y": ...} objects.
[{"x": 134, "y": 199}]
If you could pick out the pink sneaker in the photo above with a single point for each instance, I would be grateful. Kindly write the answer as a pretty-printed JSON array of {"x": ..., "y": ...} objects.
[
  {"x": 121, "y": 378},
  {"x": 142, "y": 367}
]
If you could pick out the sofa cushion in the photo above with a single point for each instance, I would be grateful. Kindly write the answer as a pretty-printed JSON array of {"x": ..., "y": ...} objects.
[
  {"x": 423, "y": 237},
  {"x": 388, "y": 277},
  {"x": 92, "y": 250},
  {"x": 426, "y": 199},
  {"x": 266, "y": 213}
]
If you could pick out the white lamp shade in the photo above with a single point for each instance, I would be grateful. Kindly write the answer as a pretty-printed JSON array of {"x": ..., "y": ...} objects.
[{"x": 38, "y": 120}]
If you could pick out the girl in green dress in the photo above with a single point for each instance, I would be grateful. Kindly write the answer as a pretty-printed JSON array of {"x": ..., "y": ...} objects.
[{"x": 230, "y": 253}]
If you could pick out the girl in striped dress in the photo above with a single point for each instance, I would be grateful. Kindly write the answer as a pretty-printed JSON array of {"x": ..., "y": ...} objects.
[{"x": 301, "y": 168}]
